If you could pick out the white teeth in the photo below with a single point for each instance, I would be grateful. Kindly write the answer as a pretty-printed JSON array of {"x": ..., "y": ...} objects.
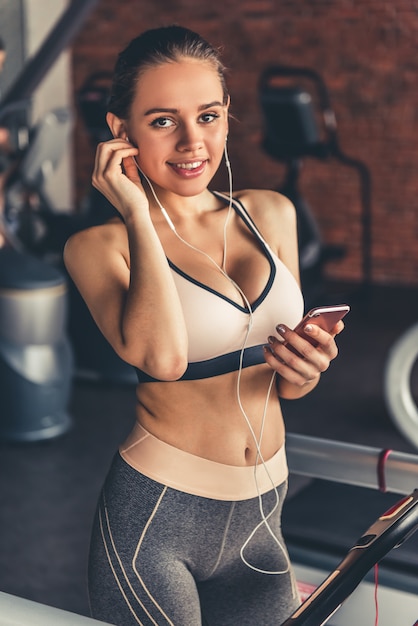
[{"x": 189, "y": 166}]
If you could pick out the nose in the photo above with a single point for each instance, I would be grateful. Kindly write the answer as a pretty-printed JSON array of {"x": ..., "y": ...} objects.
[{"x": 190, "y": 139}]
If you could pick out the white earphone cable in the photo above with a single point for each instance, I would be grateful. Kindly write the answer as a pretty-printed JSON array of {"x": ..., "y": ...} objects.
[{"x": 260, "y": 462}]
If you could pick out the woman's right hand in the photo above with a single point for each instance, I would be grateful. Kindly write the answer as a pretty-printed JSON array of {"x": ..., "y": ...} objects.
[{"x": 116, "y": 176}]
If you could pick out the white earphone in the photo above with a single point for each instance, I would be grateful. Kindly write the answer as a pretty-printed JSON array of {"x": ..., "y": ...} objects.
[{"x": 222, "y": 268}]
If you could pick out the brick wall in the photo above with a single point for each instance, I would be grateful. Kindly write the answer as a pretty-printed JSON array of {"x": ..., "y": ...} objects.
[{"x": 367, "y": 53}]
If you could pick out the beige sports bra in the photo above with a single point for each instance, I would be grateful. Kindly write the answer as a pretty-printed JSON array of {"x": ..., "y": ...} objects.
[{"x": 220, "y": 340}]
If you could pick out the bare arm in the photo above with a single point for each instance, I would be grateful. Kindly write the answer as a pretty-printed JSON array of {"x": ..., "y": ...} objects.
[{"x": 123, "y": 275}]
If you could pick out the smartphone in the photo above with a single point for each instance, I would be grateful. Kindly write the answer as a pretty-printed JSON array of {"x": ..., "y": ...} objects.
[{"x": 324, "y": 316}]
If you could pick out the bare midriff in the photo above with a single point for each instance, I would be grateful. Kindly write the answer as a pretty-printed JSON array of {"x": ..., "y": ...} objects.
[{"x": 204, "y": 417}]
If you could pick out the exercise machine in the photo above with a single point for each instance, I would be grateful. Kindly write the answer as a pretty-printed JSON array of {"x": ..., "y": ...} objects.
[
  {"x": 21, "y": 612},
  {"x": 296, "y": 125},
  {"x": 31, "y": 225},
  {"x": 346, "y": 469},
  {"x": 351, "y": 488},
  {"x": 35, "y": 354},
  {"x": 389, "y": 531},
  {"x": 400, "y": 384}
]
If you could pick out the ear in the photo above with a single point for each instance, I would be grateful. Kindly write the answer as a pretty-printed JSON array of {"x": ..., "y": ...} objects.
[{"x": 117, "y": 125}]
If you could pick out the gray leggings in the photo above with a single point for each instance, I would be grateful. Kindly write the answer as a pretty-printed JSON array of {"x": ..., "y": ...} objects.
[{"x": 162, "y": 557}]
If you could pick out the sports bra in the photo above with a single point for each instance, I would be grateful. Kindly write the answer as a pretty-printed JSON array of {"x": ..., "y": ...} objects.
[{"x": 220, "y": 340}]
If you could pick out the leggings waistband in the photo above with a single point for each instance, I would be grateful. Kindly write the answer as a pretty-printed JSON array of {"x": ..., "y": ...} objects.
[{"x": 198, "y": 476}]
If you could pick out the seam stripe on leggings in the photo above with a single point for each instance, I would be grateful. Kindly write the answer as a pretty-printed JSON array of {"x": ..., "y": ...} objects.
[
  {"x": 158, "y": 551},
  {"x": 221, "y": 550},
  {"x": 137, "y": 552},
  {"x": 134, "y": 567},
  {"x": 113, "y": 569}
]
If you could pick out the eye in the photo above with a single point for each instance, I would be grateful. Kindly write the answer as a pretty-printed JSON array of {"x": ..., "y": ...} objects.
[
  {"x": 162, "y": 122},
  {"x": 207, "y": 118}
]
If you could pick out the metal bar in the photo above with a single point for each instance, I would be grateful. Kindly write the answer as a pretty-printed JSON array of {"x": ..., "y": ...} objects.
[
  {"x": 351, "y": 464},
  {"x": 58, "y": 39},
  {"x": 22, "y": 612}
]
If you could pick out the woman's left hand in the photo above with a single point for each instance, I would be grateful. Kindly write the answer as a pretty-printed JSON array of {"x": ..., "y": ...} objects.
[{"x": 296, "y": 359}]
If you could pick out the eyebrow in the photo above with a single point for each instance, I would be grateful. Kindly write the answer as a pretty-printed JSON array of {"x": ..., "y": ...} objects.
[{"x": 202, "y": 107}]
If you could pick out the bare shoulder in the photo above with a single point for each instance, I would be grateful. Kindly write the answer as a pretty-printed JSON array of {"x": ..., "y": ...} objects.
[
  {"x": 98, "y": 242},
  {"x": 273, "y": 213}
]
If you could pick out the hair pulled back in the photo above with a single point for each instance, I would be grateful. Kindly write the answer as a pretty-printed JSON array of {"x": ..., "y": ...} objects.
[{"x": 155, "y": 47}]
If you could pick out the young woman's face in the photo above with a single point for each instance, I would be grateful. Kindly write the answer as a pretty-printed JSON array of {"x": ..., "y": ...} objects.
[{"x": 179, "y": 123}]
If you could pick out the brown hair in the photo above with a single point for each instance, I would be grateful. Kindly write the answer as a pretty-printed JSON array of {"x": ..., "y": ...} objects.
[{"x": 154, "y": 47}]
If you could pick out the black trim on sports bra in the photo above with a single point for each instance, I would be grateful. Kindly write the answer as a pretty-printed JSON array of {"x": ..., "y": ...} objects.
[
  {"x": 215, "y": 367},
  {"x": 230, "y": 362},
  {"x": 252, "y": 227}
]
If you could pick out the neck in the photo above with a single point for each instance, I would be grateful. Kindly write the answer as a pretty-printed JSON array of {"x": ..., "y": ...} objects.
[{"x": 180, "y": 207}]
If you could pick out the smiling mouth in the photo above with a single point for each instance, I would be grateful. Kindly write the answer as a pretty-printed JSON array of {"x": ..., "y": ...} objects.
[{"x": 193, "y": 165}]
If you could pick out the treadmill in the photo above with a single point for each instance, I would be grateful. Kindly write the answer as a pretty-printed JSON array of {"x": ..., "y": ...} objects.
[{"x": 347, "y": 489}]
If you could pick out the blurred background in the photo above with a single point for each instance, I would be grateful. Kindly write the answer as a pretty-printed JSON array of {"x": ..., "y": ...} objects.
[{"x": 325, "y": 108}]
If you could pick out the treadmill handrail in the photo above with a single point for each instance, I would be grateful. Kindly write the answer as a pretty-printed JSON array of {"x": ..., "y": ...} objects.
[
  {"x": 351, "y": 464},
  {"x": 388, "y": 531}
]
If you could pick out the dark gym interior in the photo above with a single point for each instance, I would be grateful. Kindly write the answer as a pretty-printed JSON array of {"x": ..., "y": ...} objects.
[{"x": 51, "y": 471}]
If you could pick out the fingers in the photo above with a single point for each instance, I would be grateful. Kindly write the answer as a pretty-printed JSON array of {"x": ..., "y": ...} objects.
[
  {"x": 110, "y": 156},
  {"x": 313, "y": 341},
  {"x": 131, "y": 170},
  {"x": 338, "y": 328},
  {"x": 301, "y": 359},
  {"x": 116, "y": 176},
  {"x": 289, "y": 365}
]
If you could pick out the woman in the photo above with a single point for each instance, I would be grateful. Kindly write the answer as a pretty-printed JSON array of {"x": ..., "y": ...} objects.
[{"x": 188, "y": 286}]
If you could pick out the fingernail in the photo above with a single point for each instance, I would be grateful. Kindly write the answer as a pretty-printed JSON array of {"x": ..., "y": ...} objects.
[
  {"x": 308, "y": 328},
  {"x": 271, "y": 339},
  {"x": 281, "y": 329}
]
